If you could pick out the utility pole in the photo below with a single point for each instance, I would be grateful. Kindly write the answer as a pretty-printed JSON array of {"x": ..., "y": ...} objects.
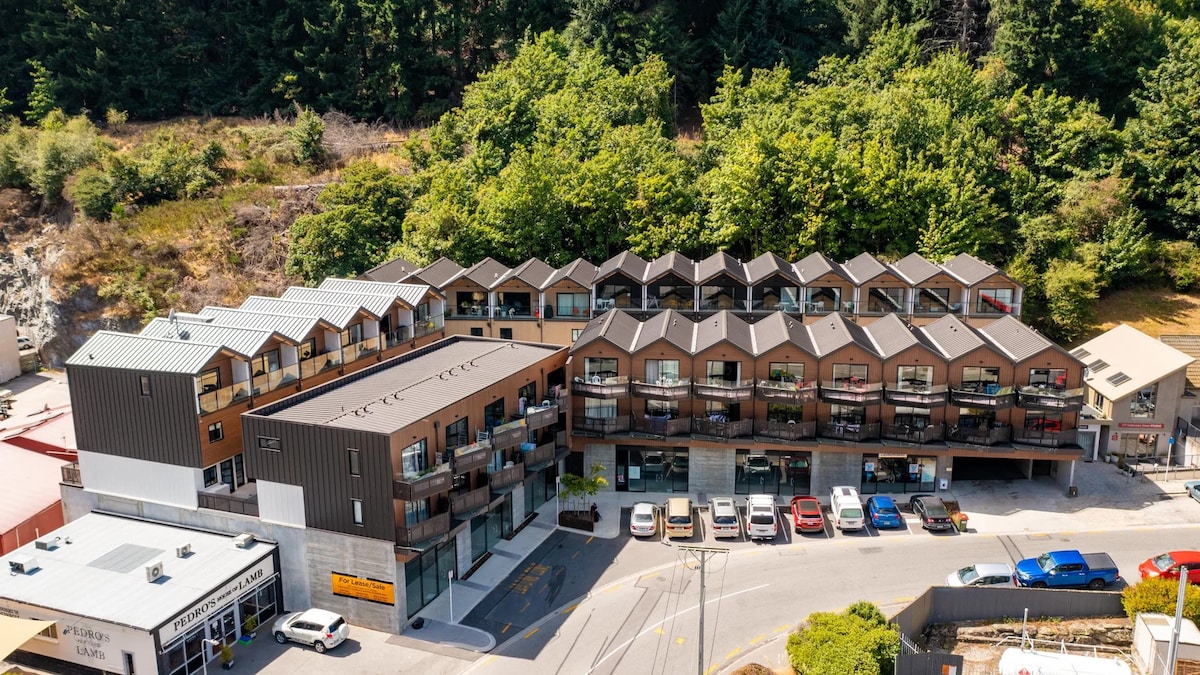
[
  {"x": 702, "y": 553},
  {"x": 1173, "y": 647}
]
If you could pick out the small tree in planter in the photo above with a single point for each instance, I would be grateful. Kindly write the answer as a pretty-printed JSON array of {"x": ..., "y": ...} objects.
[
  {"x": 226, "y": 656},
  {"x": 576, "y": 491},
  {"x": 249, "y": 626}
]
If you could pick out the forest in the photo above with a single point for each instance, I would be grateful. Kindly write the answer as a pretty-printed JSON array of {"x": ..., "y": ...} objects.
[{"x": 1058, "y": 139}]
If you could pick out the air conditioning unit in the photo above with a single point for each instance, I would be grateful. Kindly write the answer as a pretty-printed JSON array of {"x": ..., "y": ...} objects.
[
  {"x": 46, "y": 543},
  {"x": 183, "y": 550},
  {"x": 244, "y": 540},
  {"x": 22, "y": 564},
  {"x": 154, "y": 571}
]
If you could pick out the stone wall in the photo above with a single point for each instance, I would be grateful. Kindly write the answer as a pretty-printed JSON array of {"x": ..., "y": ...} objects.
[{"x": 1108, "y": 632}]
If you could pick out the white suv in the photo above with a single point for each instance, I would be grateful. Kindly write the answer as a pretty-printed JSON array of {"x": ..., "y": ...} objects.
[
  {"x": 761, "y": 518},
  {"x": 317, "y": 627},
  {"x": 724, "y": 517}
]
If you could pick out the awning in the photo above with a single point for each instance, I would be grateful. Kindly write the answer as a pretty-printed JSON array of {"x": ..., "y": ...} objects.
[{"x": 16, "y": 632}]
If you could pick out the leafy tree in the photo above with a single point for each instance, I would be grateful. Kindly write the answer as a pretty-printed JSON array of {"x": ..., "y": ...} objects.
[
  {"x": 41, "y": 97},
  {"x": 855, "y": 642},
  {"x": 1179, "y": 263},
  {"x": 576, "y": 489},
  {"x": 1071, "y": 292},
  {"x": 1160, "y": 596},
  {"x": 1045, "y": 42}
]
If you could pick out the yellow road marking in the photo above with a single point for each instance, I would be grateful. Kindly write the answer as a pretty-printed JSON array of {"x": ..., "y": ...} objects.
[
  {"x": 570, "y": 609},
  {"x": 530, "y": 633},
  {"x": 783, "y": 627},
  {"x": 610, "y": 590},
  {"x": 589, "y": 540},
  {"x": 710, "y": 670},
  {"x": 659, "y": 630},
  {"x": 735, "y": 652},
  {"x": 488, "y": 660},
  {"x": 758, "y": 639},
  {"x": 679, "y": 640},
  {"x": 505, "y": 629},
  {"x": 908, "y": 599}
]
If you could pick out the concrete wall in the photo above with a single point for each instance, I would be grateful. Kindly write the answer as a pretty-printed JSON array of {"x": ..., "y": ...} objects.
[
  {"x": 940, "y": 604},
  {"x": 330, "y": 552},
  {"x": 711, "y": 471},
  {"x": 605, "y": 454},
  {"x": 835, "y": 468},
  {"x": 10, "y": 358}
]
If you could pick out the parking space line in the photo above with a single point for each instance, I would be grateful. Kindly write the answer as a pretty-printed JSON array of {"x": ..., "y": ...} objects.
[
  {"x": 735, "y": 652},
  {"x": 575, "y": 555},
  {"x": 659, "y": 630},
  {"x": 527, "y": 603},
  {"x": 589, "y": 540},
  {"x": 506, "y": 627},
  {"x": 530, "y": 633},
  {"x": 758, "y": 639}
]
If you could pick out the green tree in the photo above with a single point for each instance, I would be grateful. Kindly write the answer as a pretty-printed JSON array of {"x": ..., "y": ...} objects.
[
  {"x": 577, "y": 489},
  {"x": 94, "y": 193},
  {"x": 41, "y": 97},
  {"x": 1160, "y": 596},
  {"x": 1046, "y": 42},
  {"x": 1071, "y": 292},
  {"x": 306, "y": 134},
  {"x": 855, "y": 642}
]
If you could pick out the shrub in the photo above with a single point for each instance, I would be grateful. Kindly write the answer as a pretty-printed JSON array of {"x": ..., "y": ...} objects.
[
  {"x": 1179, "y": 260},
  {"x": 55, "y": 154},
  {"x": 306, "y": 135},
  {"x": 94, "y": 193},
  {"x": 858, "y": 641},
  {"x": 754, "y": 669},
  {"x": 1159, "y": 595}
]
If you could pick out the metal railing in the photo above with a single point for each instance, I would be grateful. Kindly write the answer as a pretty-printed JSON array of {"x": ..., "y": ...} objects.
[
  {"x": 989, "y": 435},
  {"x": 662, "y": 426},
  {"x": 471, "y": 457},
  {"x": 602, "y": 425},
  {"x": 71, "y": 475},
  {"x": 851, "y": 431},
  {"x": 595, "y": 387},
  {"x": 537, "y": 417},
  {"x": 276, "y": 379},
  {"x": 509, "y": 475},
  {"x": 774, "y": 391},
  {"x": 219, "y": 399},
  {"x": 412, "y": 487},
  {"x": 246, "y": 505},
  {"x": 433, "y": 526},
  {"x": 510, "y": 434},
  {"x": 706, "y": 426},
  {"x": 466, "y": 502},
  {"x": 663, "y": 389},
  {"x": 909, "y": 433},
  {"x": 785, "y": 431}
]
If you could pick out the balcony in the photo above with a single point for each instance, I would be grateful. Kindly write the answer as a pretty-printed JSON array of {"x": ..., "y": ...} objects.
[
  {"x": 1047, "y": 439},
  {"x": 499, "y": 479},
  {"x": 537, "y": 456},
  {"x": 726, "y": 391},
  {"x": 471, "y": 457},
  {"x": 601, "y": 425},
  {"x": 988, "y": 396},
  {"x": 397, "y": 337},
  {"x": 785, "y": 431},
  {"x": 908, "y": 433},
  {"x": 975, "y": 435},
  {"x": 466, "y": 504},
  {"x": 246, "y": 505},
  {"x": 412, "y": 487},
  {"x": 357, "y": 350},
  {"x": 920, "y": 395},
  {"x": 706, "y": 426},
  {"x": 467, "y": 310},
  {"x": 219, "y": 399},
  {"x": 275, "y": 379},
  {"x": 662, "y": 426},
  {"x": 852, "y": 392},
  {"x": 433, "y": 324},
  {"x": 430, "y": 528},
  {"x": 663, "y": 390},
  {"x": 786, "y": 393},
  {"x": 1048, "y": 398},
  {"x": 541, "y": 416},
  {"x": 71, "y": 475},
  {"x": 595, "y": 387},
  {"x": 851, "y": 431},
  {"x": 319, "y": 364},
  {"x": 561, "y": 400},
  {"x": 508, "y": 435}
]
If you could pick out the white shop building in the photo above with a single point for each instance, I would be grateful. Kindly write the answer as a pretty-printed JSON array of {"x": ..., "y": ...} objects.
[{"x": 134, "y": 597}]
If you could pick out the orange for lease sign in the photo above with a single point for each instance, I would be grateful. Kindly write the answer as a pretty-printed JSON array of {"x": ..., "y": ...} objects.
[{"x": 366, "y": 589}]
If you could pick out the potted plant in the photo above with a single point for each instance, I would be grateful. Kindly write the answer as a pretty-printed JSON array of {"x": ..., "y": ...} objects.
[
  {"x": 226, "y": 656},
  {"x": 249, "y": 626}
]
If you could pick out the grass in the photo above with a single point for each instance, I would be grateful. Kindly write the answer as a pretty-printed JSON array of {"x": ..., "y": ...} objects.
[{"x": 1154, "y": 311}]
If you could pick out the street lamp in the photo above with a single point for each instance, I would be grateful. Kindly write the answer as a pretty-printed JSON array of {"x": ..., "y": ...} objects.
[
  {"x": 557, "y": 503},
  {"x": 210, "y": 643}
]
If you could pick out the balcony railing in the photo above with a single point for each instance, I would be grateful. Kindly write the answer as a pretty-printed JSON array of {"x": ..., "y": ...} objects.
[
  {"x": 541, "y": 416},
  {"x": 562, "y": 401},
  {"x": 430, "y": 528},
  {"x": 397, "y": 337},
  {"x": 663, "y": 389},
  {"x": 433, "y": 324},
  {"x": 989, "y": 396},
  {"x": 509, "y": 475},
  {"x": 1048, "y": 398},
  {"x": 1049, "y": 439},
  {"x": 508, "y": 435},
  {"x": 537, "y": 455},
  {"x": 468, "y": 311},
  {"x": 706, "y": 426},
  {"x": 71, "y": 475},
  {"x": 276, "y": 379},
  {"x": 851, "y": 431},
  {"x": 662, "y": 426},
  {"x": 595, "y": 387},
  {"x": 908, "y": 433},
  {"x": 852, "y": 392},
  {"x": 466, "y": 503},
  {"x": 918, "y": 395},
  {"x": 728, "y": 391},
  {"x": 357, "y": 350},
  {"x": 787, "y": 393},
  {"x": 785, "y": 431},
  {"x": 761, "y": 306},
  {"x": 246, "y": 505},
  {"x": 319, "y": 364},
  {"x": 989, "y": 435},
  {"x": 412, "y": 487},
  {"x": 471, "y": 457},
  {"x": 601, "y": 425},
  {"x": 219, "y": 399}
]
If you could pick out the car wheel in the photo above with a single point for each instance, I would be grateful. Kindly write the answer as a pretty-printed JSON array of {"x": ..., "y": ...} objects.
[
  {"x": 1038, "y": 584},
  {"x": 1096, "y": 584},
  {"x": 319, "y": 646},
  {"x": 280, "y": 638}
]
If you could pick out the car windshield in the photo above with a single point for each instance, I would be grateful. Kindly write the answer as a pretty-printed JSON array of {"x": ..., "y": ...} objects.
[
  {"x": 885, "y": 509},
  {"x": 336, "y": 624},
  {"x": 725, "y": 520},
  {"x": 1163, "y": 562},
  {"x": 852, "y": 513},
  {"x": 679, "y": 520},
  {"x": 642, "y": 517},
  {"x": 1045, "y": 562},
  {"x": 761, "y": 520},
  {"x": 968, "y": 574},
  {"x": 757, "y": 462}
]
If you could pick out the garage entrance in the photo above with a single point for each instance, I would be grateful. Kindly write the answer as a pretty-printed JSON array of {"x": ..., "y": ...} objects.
[{"x": 989, "y": 468}]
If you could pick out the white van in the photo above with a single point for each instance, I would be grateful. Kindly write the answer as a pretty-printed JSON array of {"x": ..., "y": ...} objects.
[
  {"x": 761, "y": 517},
  {"x": 846, "y": 507}
]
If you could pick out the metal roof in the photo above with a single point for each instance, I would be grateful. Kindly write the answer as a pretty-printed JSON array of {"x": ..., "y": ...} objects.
[
  {"x": 533, "y": 272},
  {"x": 615, "y": 326},
  {"x": 438, "y": 273},
  {"x": 969, "y": 269},
  {"x": 294, "y": 328},
  {"x": 624, "y": 262},
  {"x": 671, "y": 263},
  {"x": 376, "y": 304},
  {"x": 1190, "y": 345},
  {"x": 892, "y": 335},
  {"x": 340, "y": 316},
  {"x": 410, "y": 294},
  {"x": 29, "y": 485},
  {"x": 75, "y": 579},
  {"x": 1141, "y": 357},
  {"x": 1015, "y": 338},
  {"x": 724, "y": 326},
  {"x": 124, "y": 351},
  {"x": 717, "y": 264},
  {"x": 579, "y": 271},
  {"x": 670, "y": 325},
  {"x": 407, "y": 390},
  {"x": 396, "y": 269},
  {"x": 952, "y": 337},
  {"x": 863, "y": 268},
  {"x": 777, "y": 328},
  {"x": 245, "y": 341},
  {"x": 914, "y": 269},
  {"x": 815, "y": 266},
  {"x": 831, "y": 333},
  {"x": 769, "y": 264},
  {"x": 486, "y": 273}
]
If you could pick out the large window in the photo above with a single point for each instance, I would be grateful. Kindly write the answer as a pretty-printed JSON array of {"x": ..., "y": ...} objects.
[
  {"x": 1144, "y": 402},
  {"x": 616, "y": 294},
  {"x": 914, "y": 376},
  {"x": 719, "y": 372},
  {"x": 210, "y": 380},
  {"x": 599, "y": 408},
  {"x": 995, "y": 301},
  {"x": 471, "y": 303},
  {"x": 352, "y": 335},
  {"x": 770, "y": 298},
  {"x": 822, "y": 299},
  {"x": 933, "y": 301},
  {"x": 722, "y": 293},
  {"x": 427, "y": 575},
  {"x": 786, "y": 372},
  {"x": 663, "y": 409},
  {"x": 412, "y": 458},
  {"x": 662, "y": 371},
  {"x": 572, "y": 304},
  {"x": 266, "y": 362},
  {"x": 416, "y": 511},
  {"x": 514, "y": 303},
  {"x": 897, "y": 473},
  {"x": 599, "y": 369},
  {"x": 493, "y": 414},
  {"x": 1048, "y": 378},
  {"x": 671, "y": 293},
  {"x": 308, "y": 349},
  {"x": 980, "y": 379},
  {"x": 880, "y": 300},
  {"x": 847, "y": 414},
  {"x": 458, "y": 434},
  {"x": 849, "y": 374}
]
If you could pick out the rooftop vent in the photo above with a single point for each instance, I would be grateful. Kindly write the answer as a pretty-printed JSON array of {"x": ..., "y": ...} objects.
[
  {"x": 154, "y": 571},
  {"x": 244, "y": 540},
  {"x": 46, "y": 543},
  {"x": 1097, "y": 365},
  {"x": 22, "y": 564},
  {"x": 1080, "y": 353}
]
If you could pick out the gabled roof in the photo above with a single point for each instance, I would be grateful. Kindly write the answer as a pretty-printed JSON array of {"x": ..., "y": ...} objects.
[
  {"x": 396, "y": 269},
  {"x": 717, "y": 264},
  {"x": 245, "y": 341},
  {"x": 614, "y": 326},
  {"x": 778, "y": 328},
  {"x": 1190, "y": 345},
  {"x": 338, "y": 315},
  {"x": 376, "y": 304},
  {"x": 1015, "y": 338},
  {"x": 914, "y": 269},
  {"x": 671, "y": 326},
  {"x": 579, "y": 271},
  {"x": 410, "y": 294},
  {"x": 438, "y": 273},
  {"x": 123, "y": 351},
  {"x": 672, "y": 263},
  {"x": 892, "y": 335},
  {"x": 533, "y": 272},
  {"x": 1128, "y": 350},
  {"x": 724, "y": 326},
  {"x": 815, "y": 266},
  {"x": 295, "y": 328},
  {"x": 487, "y": 273},
  {"x": 767, "y": 265},
  {"x": 833, "y": 332},
  {"x": 952, "y": 337},
  {"x": 863, "y": 268},
  {"x": 969, "y": 269},
  {"x": 624, "y": 262}
]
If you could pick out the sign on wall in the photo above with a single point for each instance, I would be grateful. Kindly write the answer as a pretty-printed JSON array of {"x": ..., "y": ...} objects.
[
  {"x": 85, "y": 641},
  {"x": 1141, "y": 425},
  {"x": 363, "y": 588},
  {"x": 219, "y": 599}
]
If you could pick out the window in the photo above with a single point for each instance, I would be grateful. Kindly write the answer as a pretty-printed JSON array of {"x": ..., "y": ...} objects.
[
  {"x": 720, "y": 411},
  {"x": 849, "y": 374},
  {"x": 665, "y": 409},
  {"x": 514, "y": 304},
  {"x": 1144, "y": 402},
  {"x": 980, "y": 379},
  {"x": 412, "y": 458},
  {"x": 356, "y": 509},
  {"x": 933, "y": 300},
  {"x": 914, "y": 376},
  {"x": 599, "y": 369},
  {"x": 599, "y": 408},
  {"x": 672, "y": 292},
  {"x": 416, "y": 511},
  {"x": 881, "y": 300},
  {"x": 823, "y": 298},
  {"x": 49, "y": 632},
  {"x": 505, "y": 333},
  {"x": 1098, "y": 401},
  {"x": 210, "y": 380},
  {"x": 355, "y": 462},
  {"x": 529, "y": 393},
  {"x": 777, "y": 412},
  {"x": 493, "y": 414},
  {"x": 266, "y": 362},
  {"x": 471, "y": 303},
  {"x": 308, "y": 349},
  {"x": 575, "y": 333},
  {"x": 786, "y": 372},
  {"x": 722, "y": 293},
  {"x": 144, "y": 383},
  {"x": 662, "y": 371},
  {"x": 914, "y": 418},
  {"x": 1043, "y": 424},
  {"x": 610, "y": 294},
  {"x": 210, "y": 476},
  {"x": 773, "y": 297},
  {"x": 215, "y": 432},
  {"x": 572, "y": 304},
  {"x": 1048, "y": 378},
  {"x": 476, "y": 332},
  {"x": 723, "y": 372},
  {"x": 995, "y": 301},
  {"x": 267, "y": 443},
  {"x": 847, "y": 414},
  {"x": 456, "y": 434},
  {"x": 352, "y": 334}
]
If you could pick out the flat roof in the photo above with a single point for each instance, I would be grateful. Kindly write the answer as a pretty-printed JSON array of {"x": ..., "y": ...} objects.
[
  {"x": 29, "y": 485},
  {"x": 101, "y": 573},
  {"x": 411, "y": 387}
]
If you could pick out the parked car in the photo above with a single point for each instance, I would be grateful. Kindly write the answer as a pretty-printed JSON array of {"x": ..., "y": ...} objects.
[
  {"x": 1167, "y": 566},
  {"x": 846, "y": 507},
  {"x": 758, "y": 465},
  {"x": 982, "y": 574},
  {"x": 932, "y": 512},
  {"x": 317, "y": 627},
  {"x": 654, "y": 465},
  {"x": 679, "y": 517},
  {"x": 806, "y": 514},
  {"x": 760, "y": 517},
  {"x": 24, "y": 343},
  {"x": 679, "y": 465},
  {"x": 1192, "y": 487},
  {"x": 643, "y": 520},
  {"x": 724, "y": 517},
  {"x": 1063, "y": 569},
  {"x": 883, "y": 512}
]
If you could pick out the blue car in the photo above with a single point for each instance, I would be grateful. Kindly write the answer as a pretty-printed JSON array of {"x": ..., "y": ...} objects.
[{"x": 883, "y": 512}]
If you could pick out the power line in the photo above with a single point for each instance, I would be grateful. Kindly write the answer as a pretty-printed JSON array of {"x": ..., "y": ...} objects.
[{"x": 702, "y": 553}]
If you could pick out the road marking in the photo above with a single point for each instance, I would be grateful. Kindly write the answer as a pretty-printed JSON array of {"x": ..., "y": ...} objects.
[
  {"x": 575, "y": 555},
  {"x": 679, "y": 640},
  {"x": 530, "y": 633},
  {"x": 735, "y": 652},
  {"x": 710, "y": 670},
  {"x": 758, "y": 639},
  {"x": 589, "y": 540},
  {"x": 693, "y": 608},
  {"x": 527, "y": 603},
  {"x": 570, "y": 609},
  {"x": 903, "y": 600},
  {"x": 783, "y": 627},
  {"x": 506, "y": 627},
  {"x": 610, "y": 589},
  {"x": 659, "y": 630},
  {"x": 493, "y": 658}
]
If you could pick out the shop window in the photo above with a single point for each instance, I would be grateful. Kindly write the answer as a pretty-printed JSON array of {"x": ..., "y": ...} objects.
[
  {"x": 890, "y": 474},
  {"x": 426, "y": 576},
  {"x": 457, "y": 434},
  {"x": 355, "y": 461},
  {"x": 413, "y": 459},
  {"x": 144, "y": 384},
  {"x": 758, "y": 472},
  {"x": 215, "y": 432},
  {"x": 662, "y": 371},
  {"x": 1143, "y": 403},
  {"x": 599, "y": 369},
  {"x": 476, "y": 332}
]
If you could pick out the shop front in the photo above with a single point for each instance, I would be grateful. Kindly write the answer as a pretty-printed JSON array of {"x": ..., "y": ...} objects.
[
  {"x": 897, "y": 473},
  {"x": 651, "y": 469},
  {"x": 773, "y": 472}
]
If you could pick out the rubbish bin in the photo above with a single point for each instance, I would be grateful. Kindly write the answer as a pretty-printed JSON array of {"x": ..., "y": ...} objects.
[
  {"x": 960, "y": 521},
  {"x": 1073, "y": 491}
]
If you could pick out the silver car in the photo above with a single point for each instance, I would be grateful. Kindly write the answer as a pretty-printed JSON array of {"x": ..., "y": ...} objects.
[
  {"x": 982, "y": 574},
  {"x": 317, "y": 627}
]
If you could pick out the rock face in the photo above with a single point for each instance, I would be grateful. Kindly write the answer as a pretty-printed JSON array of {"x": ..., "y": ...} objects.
[{"x": 1110, "y": 632}]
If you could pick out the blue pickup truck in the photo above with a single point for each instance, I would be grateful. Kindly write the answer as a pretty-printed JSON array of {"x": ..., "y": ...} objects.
[{"x": 1063, "y": 569}]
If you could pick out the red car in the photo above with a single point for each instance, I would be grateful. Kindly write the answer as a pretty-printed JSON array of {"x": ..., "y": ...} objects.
[
  {"x": 1167, "y": 566},
  {"x": 806, "y": 514}
]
